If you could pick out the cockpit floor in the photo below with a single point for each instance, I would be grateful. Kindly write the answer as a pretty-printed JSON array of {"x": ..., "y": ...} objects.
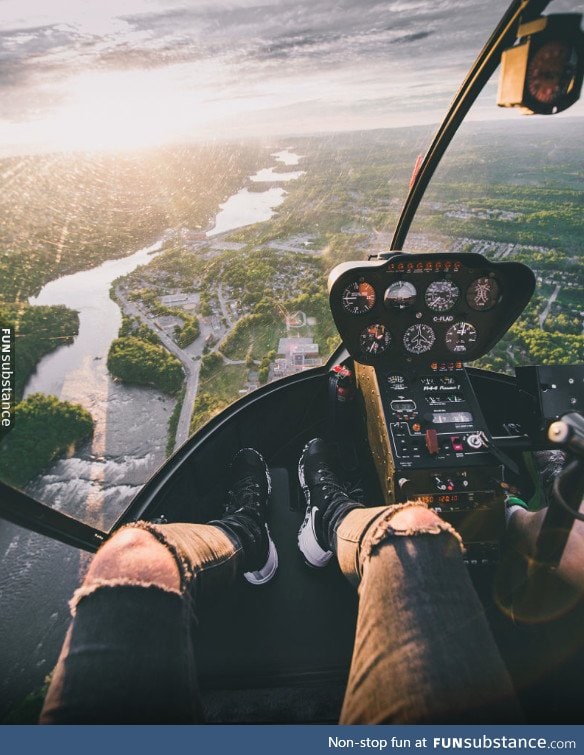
[
  {"x": 281, "y": 653},
  {"x": 295, "y": 633}
]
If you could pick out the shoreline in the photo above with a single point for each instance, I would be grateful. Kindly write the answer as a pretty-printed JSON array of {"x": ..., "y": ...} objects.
[{"x": 63, "y": 369}]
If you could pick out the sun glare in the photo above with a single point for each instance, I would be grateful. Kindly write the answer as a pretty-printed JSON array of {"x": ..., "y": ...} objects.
[{"x": 118, "y": 111}]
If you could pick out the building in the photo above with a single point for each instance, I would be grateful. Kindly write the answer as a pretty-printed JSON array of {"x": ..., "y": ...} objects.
[{"x": 296, "y": 355}]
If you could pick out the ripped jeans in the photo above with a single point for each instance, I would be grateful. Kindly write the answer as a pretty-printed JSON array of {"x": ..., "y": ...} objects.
[{"x": 423, "y": 650}]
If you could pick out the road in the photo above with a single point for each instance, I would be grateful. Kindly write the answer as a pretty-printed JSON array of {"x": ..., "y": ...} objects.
[
  {"x": 190, "y": 358},
  {"x": 224, "y": 307},
  {"x": 545, "y": 313},
  {"x": 191, "y": 364}
]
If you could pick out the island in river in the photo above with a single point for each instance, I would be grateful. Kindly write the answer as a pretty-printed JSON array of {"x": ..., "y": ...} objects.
[{"x": 132, "y": 412}]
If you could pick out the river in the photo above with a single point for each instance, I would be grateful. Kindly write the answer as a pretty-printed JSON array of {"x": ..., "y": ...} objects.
[
  {"x": 249, "y": 207},
  {"x": 127, "y": 445},
  {"x": 95, "y": 484},
  {"x": 129, "y": 440}
]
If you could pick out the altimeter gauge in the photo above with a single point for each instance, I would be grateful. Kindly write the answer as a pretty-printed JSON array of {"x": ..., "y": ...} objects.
[
  {"x": 375, "y": 339},
  {"x": 442, "y": 295},
  {"x": 461, "y": 337},
  {"x": 483, "y": 294},
  {"x": 358, "y": 297},
  {"x": 419, "y": 338}
]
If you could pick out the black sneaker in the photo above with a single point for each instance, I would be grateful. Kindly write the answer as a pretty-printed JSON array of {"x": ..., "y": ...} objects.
[
  {"x": 328, "y": 499},
  {"x": 245, "y": 513}
]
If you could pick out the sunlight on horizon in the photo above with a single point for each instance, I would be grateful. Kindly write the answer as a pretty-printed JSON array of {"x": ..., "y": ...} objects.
[
  {"x": 117, "y": 110},
  {"x": 81, "y": 76}
]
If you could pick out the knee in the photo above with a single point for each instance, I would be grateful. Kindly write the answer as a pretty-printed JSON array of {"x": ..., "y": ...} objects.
[
  {"x": 411, "y": 527},
  {"x": 134, "y": 555},
  {"x": 416, "y": 518}
]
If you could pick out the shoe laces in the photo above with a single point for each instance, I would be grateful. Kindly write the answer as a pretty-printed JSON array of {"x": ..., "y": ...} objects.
[
  {"x": 335, "y": 490},
  {"x": 244, "y": 496}
]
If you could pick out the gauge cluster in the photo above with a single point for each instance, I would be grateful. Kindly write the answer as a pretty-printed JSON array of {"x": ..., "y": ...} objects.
[{"x": 422, "y": 308}]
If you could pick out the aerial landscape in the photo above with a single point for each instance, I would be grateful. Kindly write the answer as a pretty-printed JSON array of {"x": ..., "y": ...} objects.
[
  {"x": 178, "y": 180},
  {"x": 217, "y": 281}
]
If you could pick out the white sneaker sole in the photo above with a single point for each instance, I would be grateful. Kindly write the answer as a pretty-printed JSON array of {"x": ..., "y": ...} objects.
[
  {"x": 268, "y": 570},
  {"x": 313, "y": 554}
]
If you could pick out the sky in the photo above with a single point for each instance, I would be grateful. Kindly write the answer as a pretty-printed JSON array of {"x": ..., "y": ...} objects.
[{"x": 120, "y": 74}]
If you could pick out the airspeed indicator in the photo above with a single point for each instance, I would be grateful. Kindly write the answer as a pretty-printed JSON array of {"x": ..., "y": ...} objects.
[{"x": 358, "y": 297}]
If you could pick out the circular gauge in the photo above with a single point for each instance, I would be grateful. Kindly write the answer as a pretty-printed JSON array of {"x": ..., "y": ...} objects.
[
  {"x": 550, "y": 74},
  {"x": 359, "y": 297},
  {"x": 375, "y": 339},
  {"x": 419, "y": 338},
  {"x": 483, "y": 294},
  {"x": 461, "y": 337},
  {"x": 400, "y": 295},
  {"x": 442, "y": 295}
]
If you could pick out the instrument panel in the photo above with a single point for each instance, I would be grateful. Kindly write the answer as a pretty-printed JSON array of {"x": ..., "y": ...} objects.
[{"x": 424, "y": 308}]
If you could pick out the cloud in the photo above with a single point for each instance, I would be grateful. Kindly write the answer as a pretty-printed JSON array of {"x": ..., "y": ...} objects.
[
  {"x": 126, "y": 56},
  {"x": 31, "y": 58},
  {"x": 384, "y": 58}
]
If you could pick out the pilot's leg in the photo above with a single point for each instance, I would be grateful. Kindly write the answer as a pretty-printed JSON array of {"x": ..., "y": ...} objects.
[
  {"x": 423, "y": 649},
  {"x": 128, "y": 656}
]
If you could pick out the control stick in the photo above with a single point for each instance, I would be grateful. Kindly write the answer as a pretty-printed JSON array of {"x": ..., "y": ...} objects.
[{"x": 568, "y": 490}]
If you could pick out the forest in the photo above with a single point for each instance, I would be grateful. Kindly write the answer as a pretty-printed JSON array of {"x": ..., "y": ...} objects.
[
  {"x": 44, "y": 428},
  {"x": 67, "y": 212},
  {"x": 38, "y": 330},
  {"x": 134, "y": 360}
]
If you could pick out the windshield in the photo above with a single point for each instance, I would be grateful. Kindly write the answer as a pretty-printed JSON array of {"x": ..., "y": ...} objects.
[
  {"x": 178, "y": 182},
  {"x": 510, "y": 189}
]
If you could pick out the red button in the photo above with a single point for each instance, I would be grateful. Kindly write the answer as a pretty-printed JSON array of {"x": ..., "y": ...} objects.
[{"x": 456, "y": 443}]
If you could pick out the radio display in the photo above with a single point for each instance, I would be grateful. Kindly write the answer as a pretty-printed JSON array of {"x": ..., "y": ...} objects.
[
  {"x": 403, "y": 405},
  {"x": 448, "y": 417}
]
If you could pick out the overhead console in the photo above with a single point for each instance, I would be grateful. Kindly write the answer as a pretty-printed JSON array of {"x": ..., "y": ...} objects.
[{"x": 410, "y": 322}]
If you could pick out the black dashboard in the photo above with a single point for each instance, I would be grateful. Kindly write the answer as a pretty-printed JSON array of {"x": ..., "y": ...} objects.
[
  {"x": 410, "y": 322},
  {"x": 418, "y": 309}
]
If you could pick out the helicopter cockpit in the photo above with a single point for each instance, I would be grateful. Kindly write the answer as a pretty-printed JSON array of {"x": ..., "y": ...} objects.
[
  {"x": 409, "y": 416},
  {"x": 409, "y": 322}
]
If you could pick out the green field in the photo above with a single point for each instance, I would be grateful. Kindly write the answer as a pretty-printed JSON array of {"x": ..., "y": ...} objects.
[{"x": 218, "y": 387}]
